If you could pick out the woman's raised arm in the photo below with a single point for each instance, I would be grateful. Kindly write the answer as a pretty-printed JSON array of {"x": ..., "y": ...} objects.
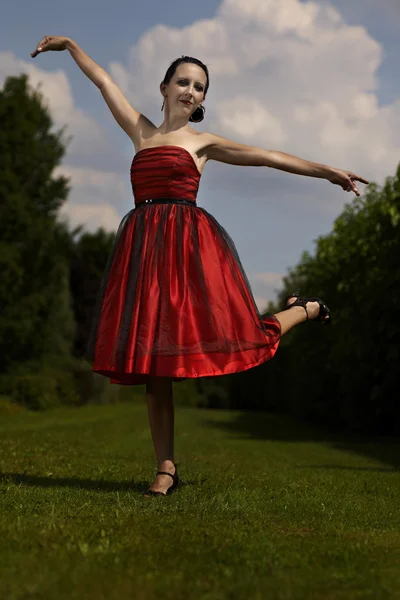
[
  {"x": 223, "y": 150},
  {"x": 132, "y": 122}
]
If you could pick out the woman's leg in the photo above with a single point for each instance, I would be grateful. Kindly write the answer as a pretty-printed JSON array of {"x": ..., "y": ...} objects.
[
  {"x": 160, "y": 403},
  {"x": 160, "y": 406},
  {"x": 296, "y": 315}
]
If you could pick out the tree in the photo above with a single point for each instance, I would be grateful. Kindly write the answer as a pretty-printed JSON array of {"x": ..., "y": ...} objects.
[
  {"x": 347, "y": 374},
  {"x": 88, "y": 260},
  {"x": 34, "y": 291}
]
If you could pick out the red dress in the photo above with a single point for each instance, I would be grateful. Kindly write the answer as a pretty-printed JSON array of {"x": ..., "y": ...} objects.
[{"x": 174, "y": 300}]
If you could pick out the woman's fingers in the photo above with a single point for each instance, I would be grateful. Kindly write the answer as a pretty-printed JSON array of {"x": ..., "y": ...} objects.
[
  {"x": 352, "y": 186},
  {"x": 358, "y": 178},
  {"x": 41, "y": 47}
]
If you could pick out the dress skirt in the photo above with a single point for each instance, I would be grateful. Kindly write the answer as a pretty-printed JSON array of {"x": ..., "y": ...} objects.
[{"x": 175, "y": 301}]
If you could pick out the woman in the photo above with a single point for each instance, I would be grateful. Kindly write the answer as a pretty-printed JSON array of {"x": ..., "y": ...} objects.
[{"x": 174, "y": 301}]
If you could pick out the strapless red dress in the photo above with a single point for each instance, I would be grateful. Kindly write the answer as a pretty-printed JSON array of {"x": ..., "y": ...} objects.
[{"x": 174, "y": 300}]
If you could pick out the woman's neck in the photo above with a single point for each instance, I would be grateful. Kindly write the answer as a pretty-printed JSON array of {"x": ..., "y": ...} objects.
[{"x": 171, "y": 124}]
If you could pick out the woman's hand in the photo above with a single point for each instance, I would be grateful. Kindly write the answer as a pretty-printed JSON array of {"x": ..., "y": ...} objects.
[
  {"x": 346, "y": 180},
  {"x": 50, "y": 42}
]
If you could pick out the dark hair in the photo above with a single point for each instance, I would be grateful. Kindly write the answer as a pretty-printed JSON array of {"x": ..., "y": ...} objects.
[{"x": 199, "y": 112}]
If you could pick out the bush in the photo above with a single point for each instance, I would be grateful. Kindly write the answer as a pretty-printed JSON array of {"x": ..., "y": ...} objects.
[
  {"x": 7, "y": 407},
  {"x": 104, "y": 391},
  {"x": 6, "y": 385},
  {"x": 347, "y": 376},
  {"x": 190, "y": 392},
  {"x": 76, "y": 384},
  {"x": 67, "y": 389},
  {"x": 36, "y": 392}
]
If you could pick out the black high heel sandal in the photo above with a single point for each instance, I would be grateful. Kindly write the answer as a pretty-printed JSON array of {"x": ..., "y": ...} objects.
[
  {"x": 324, "y": 316},
  {"x": 175, "y": 478}
]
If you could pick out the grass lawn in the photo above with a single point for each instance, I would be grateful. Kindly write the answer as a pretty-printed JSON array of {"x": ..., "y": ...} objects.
[{"x": 267, "y": 509}]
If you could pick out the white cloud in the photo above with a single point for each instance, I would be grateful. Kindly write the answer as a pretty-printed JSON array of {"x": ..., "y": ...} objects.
[
  {"x": 95, "y": 182},
  {"x": 261, "y": 303},
  {"x": 94, "y": 197},
  {"x": 264, "y": 286},
  {"x": 92, "y": 216},
  {"x": 247, "y": 117},
  {"x": 368, "y": 9},
  {"x": 85, "y": 131},
  {"x": 268, "y": 278},
  {"x": 95, "y": 193},
  {"x": 292, "y": 76},
  {"x": 285, "y": 75}
]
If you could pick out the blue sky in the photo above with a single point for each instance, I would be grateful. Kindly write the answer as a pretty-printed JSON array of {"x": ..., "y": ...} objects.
[{"x": 339, "y": 102}]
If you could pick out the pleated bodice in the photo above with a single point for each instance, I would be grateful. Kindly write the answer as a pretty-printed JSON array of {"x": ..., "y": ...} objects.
[{"x": 164, "y": 172}]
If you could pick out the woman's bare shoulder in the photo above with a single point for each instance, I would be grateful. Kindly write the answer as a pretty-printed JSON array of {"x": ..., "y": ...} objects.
[{"x": 203, "y": 140}]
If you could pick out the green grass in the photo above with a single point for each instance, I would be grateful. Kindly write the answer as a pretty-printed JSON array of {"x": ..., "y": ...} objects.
[{"x": 267, "y": 509}]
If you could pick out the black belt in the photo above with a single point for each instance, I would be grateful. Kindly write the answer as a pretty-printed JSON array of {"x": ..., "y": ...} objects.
[{"x": 166, "y": 201}]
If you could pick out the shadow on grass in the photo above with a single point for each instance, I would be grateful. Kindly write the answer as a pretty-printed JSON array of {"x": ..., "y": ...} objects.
[
  {"x": 96, "y": 485},
  {"x": 274, "y": 427},
  {"x": 344, "y": 468}
]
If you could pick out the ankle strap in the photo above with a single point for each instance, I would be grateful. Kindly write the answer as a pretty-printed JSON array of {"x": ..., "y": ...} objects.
[{"x": 166, "y": 473}]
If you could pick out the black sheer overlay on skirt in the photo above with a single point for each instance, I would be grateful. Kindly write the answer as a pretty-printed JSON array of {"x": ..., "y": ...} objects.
[{"x": 175, "y": 300}]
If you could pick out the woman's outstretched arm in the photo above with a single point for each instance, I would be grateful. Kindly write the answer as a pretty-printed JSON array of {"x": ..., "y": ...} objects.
[
  {"x": 132, "y": 122},
  {"x": 222, "y": 150}
]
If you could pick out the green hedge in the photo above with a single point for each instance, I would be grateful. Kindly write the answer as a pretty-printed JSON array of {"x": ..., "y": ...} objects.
[{"x": 36, "y": 392}]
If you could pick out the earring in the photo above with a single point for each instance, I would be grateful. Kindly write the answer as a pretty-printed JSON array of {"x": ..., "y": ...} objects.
[
  {"x": 163, "y": 104},
  {"x": 200, "y": 110}
]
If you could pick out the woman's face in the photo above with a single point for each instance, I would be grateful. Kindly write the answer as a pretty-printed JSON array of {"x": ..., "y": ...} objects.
[{"x": 185, "y": 91}]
